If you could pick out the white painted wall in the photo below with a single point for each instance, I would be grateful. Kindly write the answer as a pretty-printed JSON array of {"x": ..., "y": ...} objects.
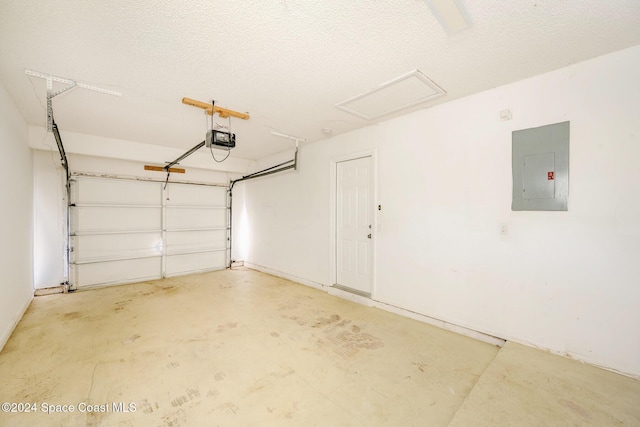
[
  {"x": 50, "y": 201},
  {"x": 16, "y": 217},
  {"x": 564, "y": 281},
  {"x": 240, "y": 227}
]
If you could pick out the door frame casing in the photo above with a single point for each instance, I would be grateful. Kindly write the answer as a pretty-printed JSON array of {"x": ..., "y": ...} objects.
[{"x": 333, "y": 166}]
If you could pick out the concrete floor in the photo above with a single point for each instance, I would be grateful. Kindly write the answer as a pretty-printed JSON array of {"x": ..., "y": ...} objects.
[{"x": 242, "y": 348}]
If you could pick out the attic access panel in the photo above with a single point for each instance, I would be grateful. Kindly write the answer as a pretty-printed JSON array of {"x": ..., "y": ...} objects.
[
  {"x": 402, "y": 92},
  {"x": 540, "y": 167}
]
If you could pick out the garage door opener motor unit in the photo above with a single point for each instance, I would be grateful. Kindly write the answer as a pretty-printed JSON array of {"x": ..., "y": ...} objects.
[{"x": 220, "y": 139}]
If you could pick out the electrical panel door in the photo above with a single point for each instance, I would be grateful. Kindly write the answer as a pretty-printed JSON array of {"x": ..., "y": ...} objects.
[{"x": 540, "y": 165}]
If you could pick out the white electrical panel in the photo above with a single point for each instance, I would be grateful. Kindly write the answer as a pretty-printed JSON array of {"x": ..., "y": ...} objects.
[{"x": 540, "y": 165}]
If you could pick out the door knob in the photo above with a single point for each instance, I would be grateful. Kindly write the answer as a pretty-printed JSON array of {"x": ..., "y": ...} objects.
[{"x": 369, "y": 236}]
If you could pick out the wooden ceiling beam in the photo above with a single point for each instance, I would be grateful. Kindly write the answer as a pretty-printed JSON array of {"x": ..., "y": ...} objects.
[
  {"x": 212, "y": 109},
  {"x": 161, "y": 169}
]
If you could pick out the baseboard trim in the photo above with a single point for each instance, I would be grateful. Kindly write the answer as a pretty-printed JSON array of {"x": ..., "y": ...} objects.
[
  {"x": 60, "y": 289},
  {"x": 7, "y": 334},
  {"x": 577, "y": 357},
  {"x": 286, "y": 275},
  {"x": 360, "y": 299},
  {"x": 480, "y": 336}
]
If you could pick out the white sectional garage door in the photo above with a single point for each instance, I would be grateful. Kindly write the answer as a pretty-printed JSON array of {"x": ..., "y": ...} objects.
[{"x": 125, "y": 230}]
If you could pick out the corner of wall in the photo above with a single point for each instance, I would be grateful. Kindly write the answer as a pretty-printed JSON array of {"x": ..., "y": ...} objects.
[
  {"x": 6, "y": 334},
  {"x": 16, "y": 259}
]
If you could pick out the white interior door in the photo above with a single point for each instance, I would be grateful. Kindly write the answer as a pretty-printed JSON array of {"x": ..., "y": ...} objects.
[{"x": 354, "y": 225}]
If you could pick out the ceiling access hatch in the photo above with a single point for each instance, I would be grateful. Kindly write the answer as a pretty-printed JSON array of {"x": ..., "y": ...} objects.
[{"x": 402, "y": 92}]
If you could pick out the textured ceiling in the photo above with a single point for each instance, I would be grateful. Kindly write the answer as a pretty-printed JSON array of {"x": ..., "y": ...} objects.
[{"x": 285, "y": 62}]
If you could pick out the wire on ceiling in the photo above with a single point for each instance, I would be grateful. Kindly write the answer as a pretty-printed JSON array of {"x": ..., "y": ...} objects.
[{"x": 218, "y": 126}]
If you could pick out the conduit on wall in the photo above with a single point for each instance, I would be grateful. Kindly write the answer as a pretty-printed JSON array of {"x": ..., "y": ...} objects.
[{"x": 268, "y": 171}]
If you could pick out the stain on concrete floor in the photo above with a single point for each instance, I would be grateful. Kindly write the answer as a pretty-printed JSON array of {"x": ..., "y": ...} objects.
[{"x": 239, "y": 347}]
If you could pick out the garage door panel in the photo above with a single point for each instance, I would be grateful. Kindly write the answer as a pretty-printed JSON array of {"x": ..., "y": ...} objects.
[
  {"x": 119, "y": 191},
  {"x": 114, "y": 246},
  {"x": 189, "y": 263},
  {"x": 190, "y": 218},
  {"x": 117, "y": 218},
  {"x": 122, "y": 271},
  {"x": 126, "y": 230},
  {"x": 191, "y": 241},
  {"x": 195, "y": 195}
]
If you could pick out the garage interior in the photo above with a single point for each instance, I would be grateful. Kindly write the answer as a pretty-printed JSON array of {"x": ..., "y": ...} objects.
[{"x": 336, "y": 213}]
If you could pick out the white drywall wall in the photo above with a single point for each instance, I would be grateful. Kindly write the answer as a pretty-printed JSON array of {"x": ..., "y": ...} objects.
[
  {"x": 564, "y": 281},
  {"x": 50, "y": 207},
  {"x": 240, "y": 226},
  {"x": 16, "y": 217}
]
